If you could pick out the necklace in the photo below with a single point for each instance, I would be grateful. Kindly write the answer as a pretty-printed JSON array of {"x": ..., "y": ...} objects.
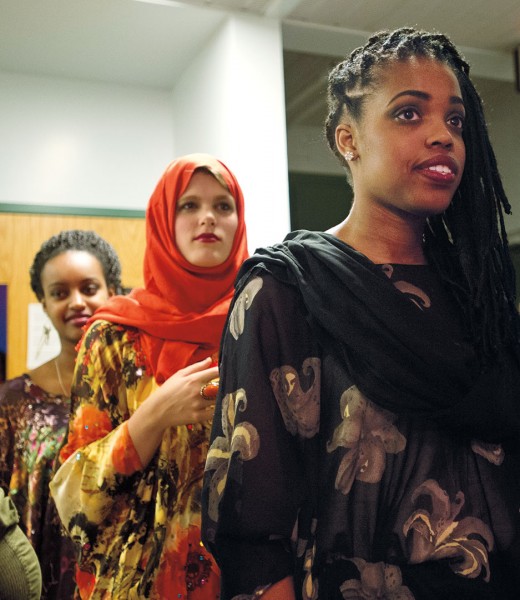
[{"x": 59, "y": 379}]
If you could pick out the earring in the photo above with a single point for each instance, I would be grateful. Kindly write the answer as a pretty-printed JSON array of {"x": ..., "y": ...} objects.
[{"x": 349, "y": 155}]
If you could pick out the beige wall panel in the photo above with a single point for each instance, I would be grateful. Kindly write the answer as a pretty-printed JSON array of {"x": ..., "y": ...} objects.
[{"x": 21, "y": 236}]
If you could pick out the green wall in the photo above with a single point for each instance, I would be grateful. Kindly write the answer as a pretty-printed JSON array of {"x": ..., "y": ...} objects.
[{"x": 318, "y": 202}]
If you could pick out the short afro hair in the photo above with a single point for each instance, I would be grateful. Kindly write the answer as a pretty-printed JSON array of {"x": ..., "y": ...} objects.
[{"x": 83, "y": 241}]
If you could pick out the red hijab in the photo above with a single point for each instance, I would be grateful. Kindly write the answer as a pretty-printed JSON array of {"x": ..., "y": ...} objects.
[{"x": 182, "y": 308}]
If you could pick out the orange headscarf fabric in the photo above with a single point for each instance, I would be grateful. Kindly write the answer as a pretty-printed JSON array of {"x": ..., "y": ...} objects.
[{"x": 182, "y": 308}]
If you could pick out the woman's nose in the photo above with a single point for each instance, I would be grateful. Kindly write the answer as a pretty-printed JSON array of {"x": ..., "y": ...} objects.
[
  {"x": 77, "y": 301},
  {"x": 440, "y": 136},
  {"x": 208, "y": 217}
]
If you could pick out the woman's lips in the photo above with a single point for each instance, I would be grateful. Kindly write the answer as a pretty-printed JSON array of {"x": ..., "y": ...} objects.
[
  {"x": 78, "y": 321},
  {"x": 439, "y": 175},
  {"x": 441, "y": 169},
  {"x": 207, "y": 238}
]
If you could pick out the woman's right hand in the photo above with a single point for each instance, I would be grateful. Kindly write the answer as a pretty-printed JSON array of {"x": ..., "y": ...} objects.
[{"x": 177, "y": 402}]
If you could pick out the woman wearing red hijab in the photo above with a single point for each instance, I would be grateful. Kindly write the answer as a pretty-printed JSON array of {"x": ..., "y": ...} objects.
[{"x": 128, "y": 492}]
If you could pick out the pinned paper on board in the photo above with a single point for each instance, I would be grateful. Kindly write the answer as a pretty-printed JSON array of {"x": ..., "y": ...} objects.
[{"x": 43, "y": 341}]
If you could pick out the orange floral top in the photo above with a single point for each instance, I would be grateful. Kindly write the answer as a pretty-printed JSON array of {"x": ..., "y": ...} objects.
[{"x": 137, "y": 530}]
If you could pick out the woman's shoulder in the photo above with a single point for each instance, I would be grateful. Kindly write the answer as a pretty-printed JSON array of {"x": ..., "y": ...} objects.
[
  {"x": 15, "y": 383},
  {"x": 108, "y": 333},
  {"x": 26, "y": 389},
  {"x": 15, "y": 389},
  {"x": 263, "y": 299},
  {"x": 110, "y": 346},
  {"x": 264, "y": 287}
]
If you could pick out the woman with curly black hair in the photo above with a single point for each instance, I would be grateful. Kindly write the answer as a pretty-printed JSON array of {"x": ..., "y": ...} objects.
[
  {"x": 365, "y": 442},
  {"x": 72, "y": 275}
]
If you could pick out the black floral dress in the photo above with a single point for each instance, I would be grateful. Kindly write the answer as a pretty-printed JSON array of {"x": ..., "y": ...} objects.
[{"x": 307, "y": 477}]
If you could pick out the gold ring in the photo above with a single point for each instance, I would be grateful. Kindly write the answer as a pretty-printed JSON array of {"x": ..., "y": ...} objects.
[{"x": 209, "y": 390}]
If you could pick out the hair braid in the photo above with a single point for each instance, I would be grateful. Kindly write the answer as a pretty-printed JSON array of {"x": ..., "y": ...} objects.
[{"x": 467, "y": 244}]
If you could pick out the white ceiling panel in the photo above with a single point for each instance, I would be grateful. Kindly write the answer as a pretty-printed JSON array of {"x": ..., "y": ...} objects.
[
  {"x": 149, "y": 42},
  {"x": 475, "y": 23},
  {"x": 121, "y": 41}
]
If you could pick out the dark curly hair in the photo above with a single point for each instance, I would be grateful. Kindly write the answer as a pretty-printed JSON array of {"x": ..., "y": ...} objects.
[
  {"x": 81, "y": 240},
  {"x": 467, "y": 244}
]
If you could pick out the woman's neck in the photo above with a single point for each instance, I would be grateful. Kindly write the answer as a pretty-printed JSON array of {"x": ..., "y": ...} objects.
[
  {"x": 67, "y": 357},
  {"x": 384, "y": 237},
  {"x": 55, "y": 376}
]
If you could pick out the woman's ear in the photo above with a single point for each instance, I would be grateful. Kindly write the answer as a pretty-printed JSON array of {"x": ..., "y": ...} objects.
[
  {"x": 111, "y": 290},
  {"x": 345, "y": 141}
]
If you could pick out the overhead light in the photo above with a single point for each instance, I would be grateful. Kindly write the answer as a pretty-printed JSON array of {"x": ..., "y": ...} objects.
[{"x": 163, "y": 2}]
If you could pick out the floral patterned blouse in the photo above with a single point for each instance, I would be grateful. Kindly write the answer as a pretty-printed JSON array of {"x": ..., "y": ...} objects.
[
  {"x": 137, "y": 530},
  {"x": 306, "y": 477},
  {"x": 33, "y": 424}
]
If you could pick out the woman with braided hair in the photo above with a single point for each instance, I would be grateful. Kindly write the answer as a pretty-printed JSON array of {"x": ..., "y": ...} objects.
[
  {"x": 72, "y": 275},
  {"x": 366, "y": 436}
]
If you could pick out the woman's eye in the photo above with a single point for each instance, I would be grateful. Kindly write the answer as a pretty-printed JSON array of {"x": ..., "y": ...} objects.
[
  {"x": 90, "y": 290},
  {"x": 225, "y": 206},
  {"x": 186, "y": 206},
  {"x": 59, "y": 294},
  {"x": 408, "y": 114},
  {"x": 456, "y": 121}
]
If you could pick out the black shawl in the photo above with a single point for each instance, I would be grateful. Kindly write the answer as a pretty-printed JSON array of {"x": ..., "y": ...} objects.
[{"x": 396, "y": 357}]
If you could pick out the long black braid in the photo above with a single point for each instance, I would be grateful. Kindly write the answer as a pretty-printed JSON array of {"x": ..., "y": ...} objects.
[
  {"x": 467, "y": 244},
  {"x": 81, "y": 240}
]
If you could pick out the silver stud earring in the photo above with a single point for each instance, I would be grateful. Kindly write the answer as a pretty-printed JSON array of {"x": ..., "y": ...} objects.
[{"x": 349, "y": 155}]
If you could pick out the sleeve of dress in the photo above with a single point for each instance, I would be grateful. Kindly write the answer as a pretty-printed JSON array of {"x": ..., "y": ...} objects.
[
  {"x": 6, "y": 439},
  {"x": 257, "y": 477},
  {"x": 99, "y": 454}
]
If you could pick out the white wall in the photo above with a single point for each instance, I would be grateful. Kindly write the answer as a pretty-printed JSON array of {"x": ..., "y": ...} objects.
[
  {"x": 230, "y": 102},
  {"x": 68, "y": 142},
  {"x": 77, "y": 143}
]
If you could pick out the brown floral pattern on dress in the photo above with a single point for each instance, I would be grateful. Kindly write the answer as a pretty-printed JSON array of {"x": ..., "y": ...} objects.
[
  {"x": 298, "y": 396},
  {"x": 310, "y": 588},
  {"x": 494, "y": 453},
  {"x": 368, "y": 434},
  {"x": 414, "y": 293},
  {"x": 243, "y": 302},
  {"x": 436, "y": 534},
  {"x": 378, "y": 581},
  {"x": 242, "y": 439}
]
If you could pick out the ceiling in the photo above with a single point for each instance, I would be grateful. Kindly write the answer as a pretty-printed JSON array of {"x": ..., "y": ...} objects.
[
  {"x": 473, "y": 23},
  {"x": 148, "y": 42}
]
